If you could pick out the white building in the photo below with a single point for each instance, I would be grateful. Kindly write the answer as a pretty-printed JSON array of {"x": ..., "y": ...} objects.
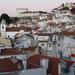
[
  {"x": 42, "y": 25},
  {"x": 65, "y": 44},
  {"x": 57, "y": 44},
  {"x": 45, "y": 41},
  {"x": 19, "y": 64},
  {"x": 63, "y": 13},
  {"x": 10, "y": 32},
  {"x": 3, "y": 26},
  {"x": 24, "y": 41}
]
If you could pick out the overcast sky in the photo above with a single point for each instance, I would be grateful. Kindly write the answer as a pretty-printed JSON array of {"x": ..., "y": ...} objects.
[{"x": 9, "y": 6}]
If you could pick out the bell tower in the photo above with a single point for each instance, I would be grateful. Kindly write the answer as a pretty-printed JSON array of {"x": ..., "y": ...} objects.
[{"x": 3, "y": 28}]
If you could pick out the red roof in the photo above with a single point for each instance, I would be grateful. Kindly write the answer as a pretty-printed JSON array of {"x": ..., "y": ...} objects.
[
  {"x": 44, "y": 34},
  {"x": 73, "y": 55},
  {"x": 53, "y": 63},
  {"x": 69, "y": 62},
  {"x": 10, "y": 51},
  {"x": 64, "y": 33},
  {"x": 68, "y": 33},
  {"x": 28, "y": 49},
  {"x": 15, "y": 51},
  {"x": 17, "y": 29},
  {"x": 51, "y": 24},
  {"x": 6, "y": 65}
]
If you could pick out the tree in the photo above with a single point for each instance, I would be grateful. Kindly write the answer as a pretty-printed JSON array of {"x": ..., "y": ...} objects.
[
  {"x": 6, "y": 17},
  {"x": 62, "y": 4},
  {"x": 65, "y": 8},
  {"x": 14, "y": 19},
  {"x": 72, "y": 10}
]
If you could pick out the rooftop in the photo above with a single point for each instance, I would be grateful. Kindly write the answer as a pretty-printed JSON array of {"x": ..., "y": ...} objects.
[
  {"x": 17, "y": 29},
  {"x": 53, "y": 63},
  {"x": 7, "y": 65}
]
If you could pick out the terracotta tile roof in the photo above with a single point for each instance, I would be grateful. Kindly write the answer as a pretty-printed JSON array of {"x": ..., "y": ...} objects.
[
  {"x": 6, "y": 65},
  {"x": 10, "y": 51},
  {"x": 15, "y": 51},
  {"x": 28, "y": 49},
  {"x": 17, "y": 29},
  {"x": 36, "y": 28},
  {"x": 51, "y": 24},
  {"x": 69, "y": 63},
  {"x": 53, "y": 63},
  {"x": 64, "y": 33},
  {"x": 67, "y": 33},
  {"x": 73, "y": 55},
  {"x": 45, "y": 34}
]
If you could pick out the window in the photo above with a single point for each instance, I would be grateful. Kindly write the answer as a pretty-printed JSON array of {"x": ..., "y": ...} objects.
[
  {"x": 50, "y": 30},
  {"x": 50, "y": 38},
  {"x": 42, "y": 44},
  {"x": 49, "y": 44},
  {"x": 58, "y": 39},
  {"x": 2, "y": 27},
  {"x": 73, "y": 37},
  {"x": 74, "y": 70},
  {"x": 8, "y": 36},
  {"x": 58, "y": 45},
  {"x": 65, "y": 70}
]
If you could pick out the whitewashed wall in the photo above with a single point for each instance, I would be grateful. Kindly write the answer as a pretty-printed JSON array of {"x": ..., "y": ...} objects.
[
  {"x": 10, "y": 34},
  {"x": 36, "y": 71}
]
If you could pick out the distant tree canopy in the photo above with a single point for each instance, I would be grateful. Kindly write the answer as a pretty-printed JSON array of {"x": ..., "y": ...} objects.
[
  {"x": 6, "y": 17},
  {"x": 62, "y": 4},
  {"x": 72, "y": 10},
  {"x": 65, "y": 8},
  {"x": 14, "y": 19}
]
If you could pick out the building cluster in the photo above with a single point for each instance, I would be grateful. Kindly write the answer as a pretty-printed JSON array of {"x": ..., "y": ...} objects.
[{"x": 41, "y": 43}]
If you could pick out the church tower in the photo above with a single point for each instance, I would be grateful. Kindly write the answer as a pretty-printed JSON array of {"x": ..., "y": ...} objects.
[{"x": 3, "y": 28}]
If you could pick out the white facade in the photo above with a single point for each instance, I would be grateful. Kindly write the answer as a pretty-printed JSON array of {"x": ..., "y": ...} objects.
[
  {"x": 11, "y": 34},
  {"x": 63, "y": 14},
  {"x": 42, "y": 25},
  {"x": 67, "y": 70},
  {"x": 24, "y": 41},
  {"x": 67, "y": 18},
  {"x": 36, "y": 71},
  {"x": 3, "y": 28},
  {"x": 66, "y": 45},
  {"x": 46, "y": 44},
  {"x": 69, "y": 45}
]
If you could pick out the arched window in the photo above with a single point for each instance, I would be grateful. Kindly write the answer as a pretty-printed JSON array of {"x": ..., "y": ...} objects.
[{"x": 2, "y": 27}]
